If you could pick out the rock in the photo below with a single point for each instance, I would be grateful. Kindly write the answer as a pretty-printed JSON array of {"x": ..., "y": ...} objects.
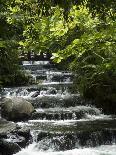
[
  {"x": 25, "y": 132},
  {"x": 16, "y": 109},
  {"x": 14, "y": 138},
  {"x": 42, "y": 135},
  {"x": 8, "y": 148},
  {"x": 6, "y": 127}
]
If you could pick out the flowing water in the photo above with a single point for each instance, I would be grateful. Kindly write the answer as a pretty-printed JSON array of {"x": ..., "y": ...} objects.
[{"x": 63, "y": 123}]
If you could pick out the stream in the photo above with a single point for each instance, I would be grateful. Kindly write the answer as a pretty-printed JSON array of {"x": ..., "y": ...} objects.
[{"x": 63, "y": 124}]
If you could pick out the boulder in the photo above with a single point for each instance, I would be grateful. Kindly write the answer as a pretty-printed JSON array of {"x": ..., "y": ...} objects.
[
  {"x": 16, "y": 109},
  {"x": 6, "y": 127},
  {"x": 8, "y": 148}
]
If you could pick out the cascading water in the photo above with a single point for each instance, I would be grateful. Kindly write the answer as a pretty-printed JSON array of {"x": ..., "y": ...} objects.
[{"x": 63, "y": 124}]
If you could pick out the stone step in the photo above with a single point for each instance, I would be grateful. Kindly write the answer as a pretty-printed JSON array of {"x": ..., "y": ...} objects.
[
  {"x": 71, "y": 139},
  {"x": 64, "y": 126},
  {"x": 58, "y": 100},
  {"x": 73, "y": 113},
  {"x": 56, "y": 88},
  {"x": 34, "y": 67}
]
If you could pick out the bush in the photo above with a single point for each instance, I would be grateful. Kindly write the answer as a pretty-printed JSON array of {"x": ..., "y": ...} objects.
[{"x": 17, "y": 79}]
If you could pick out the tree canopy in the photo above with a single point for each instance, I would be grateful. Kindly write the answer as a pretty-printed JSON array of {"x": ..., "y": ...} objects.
[{"x": 82, "y": 32}]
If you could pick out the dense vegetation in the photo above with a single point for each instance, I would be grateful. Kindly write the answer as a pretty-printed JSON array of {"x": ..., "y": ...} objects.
[
  {"x": 82, "y": 33},
  {"x": 10, "y": 34}
]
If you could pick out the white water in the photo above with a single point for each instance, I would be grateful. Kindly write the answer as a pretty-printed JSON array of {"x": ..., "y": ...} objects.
[
  {"x": 32, "y": 149},
  {"x": 23, "y": 92},
  {"x": 35, "y": 62},
  {"x": 66, "y": 122},
  {"x": 101, "y": 150}
]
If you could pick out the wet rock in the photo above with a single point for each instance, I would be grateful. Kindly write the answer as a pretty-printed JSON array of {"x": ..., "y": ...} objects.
[
  {"x": 8, "y": 148},
  {"x": 16, "y": 109},
  {"x": 50, "y": 101},
  {"x": 35, "y": 94},
  {"x": 71, "y": 140},
  {"x": 42, "y": 135},
  {"x": 52, "y": 91},
  {"x": 77, "y": 112},
  {"x": 11, "y": 132},
  {"x": 52, "y": 116},
  {"x": 15, "y": 138},
  {"x": 6, "y": 127},
  {"x": 25, "y": 132}
]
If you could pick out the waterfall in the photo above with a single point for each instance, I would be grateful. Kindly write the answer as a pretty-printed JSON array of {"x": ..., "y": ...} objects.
[{"x": 63, "y": 123}]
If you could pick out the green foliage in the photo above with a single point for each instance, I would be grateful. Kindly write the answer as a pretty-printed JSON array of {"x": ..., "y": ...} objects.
[
  {"x": 82, "y": 32},
  {"x": 10, "y": 34},
  {"x": 40, "y": 19},
  {"x": 93, "y": 52},
  {"x": 44, "y": 8}
]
